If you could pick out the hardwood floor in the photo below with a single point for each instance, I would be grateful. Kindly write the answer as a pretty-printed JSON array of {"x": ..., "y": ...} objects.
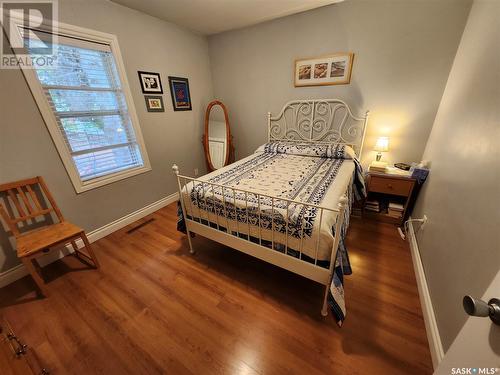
[{"x": 152, "y": 308}]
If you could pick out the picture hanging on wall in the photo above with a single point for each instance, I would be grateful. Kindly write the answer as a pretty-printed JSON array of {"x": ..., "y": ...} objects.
[
  {"x": 150, "y": 83},
  {"x": 154, "y": 103},
  {"x": 181, "y": 97},
  {"x": 326, "y": 70}
]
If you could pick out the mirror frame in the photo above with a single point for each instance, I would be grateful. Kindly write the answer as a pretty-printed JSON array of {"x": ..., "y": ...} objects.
[{"x": 210, "y": 166}]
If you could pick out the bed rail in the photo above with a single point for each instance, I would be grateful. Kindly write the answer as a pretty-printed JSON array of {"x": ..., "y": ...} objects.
[{"x": 239, "y": 235}]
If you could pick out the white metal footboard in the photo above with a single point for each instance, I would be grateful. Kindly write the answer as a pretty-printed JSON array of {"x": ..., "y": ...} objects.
[{"x": 236, "y": 240}]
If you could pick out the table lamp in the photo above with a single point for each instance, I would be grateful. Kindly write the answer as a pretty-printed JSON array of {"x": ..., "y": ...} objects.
[{"x": 382, "y": 145}]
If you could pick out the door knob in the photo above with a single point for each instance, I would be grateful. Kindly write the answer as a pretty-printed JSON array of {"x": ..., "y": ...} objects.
[{"x": 477, "y": 307}]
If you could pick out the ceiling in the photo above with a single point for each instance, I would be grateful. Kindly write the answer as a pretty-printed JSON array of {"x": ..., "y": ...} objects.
[{"x": 215, "y": 16}]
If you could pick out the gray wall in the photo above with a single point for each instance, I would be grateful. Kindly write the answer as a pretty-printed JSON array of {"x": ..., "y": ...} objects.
[
  {"x": 146, "y": 43},
  {"x": 404, "y": 51},
  {"x": 460, "y": 246}
]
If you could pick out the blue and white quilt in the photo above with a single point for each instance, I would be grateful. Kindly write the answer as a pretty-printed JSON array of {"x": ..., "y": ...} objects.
[{"x": 304, "y": 173}]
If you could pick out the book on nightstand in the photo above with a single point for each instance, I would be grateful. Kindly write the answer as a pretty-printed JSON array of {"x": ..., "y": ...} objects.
[
  {"x": 395, "y": 210},
  {"x": 356, "y": 212},
  {"x": 372, "y": 205},
  {"x": 378, "y": 166}
]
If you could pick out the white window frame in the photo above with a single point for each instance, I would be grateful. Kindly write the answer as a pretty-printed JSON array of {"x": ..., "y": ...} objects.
[{"x": 50, "y": 117}]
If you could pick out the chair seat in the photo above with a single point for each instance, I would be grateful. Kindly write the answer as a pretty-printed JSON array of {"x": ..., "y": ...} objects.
[{"x": 32, "y": 242}]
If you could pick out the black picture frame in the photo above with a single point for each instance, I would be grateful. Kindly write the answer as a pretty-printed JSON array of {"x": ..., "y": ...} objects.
[
  {"x": 151, "y": 108},
  {"x": 180, "y": 93},
  {"x": 153, "y": 88}
]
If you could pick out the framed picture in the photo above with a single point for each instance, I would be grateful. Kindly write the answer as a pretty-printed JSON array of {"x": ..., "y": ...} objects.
[
  {"x": 154, "y": 103},
  {"x": 179, "y": 89},
  {"x": 150, "y": 83},
  {"x": 326, "y": 70}
]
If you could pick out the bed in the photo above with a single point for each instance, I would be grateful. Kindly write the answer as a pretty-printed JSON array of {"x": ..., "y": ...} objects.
[{"x": 288, "y": 203}]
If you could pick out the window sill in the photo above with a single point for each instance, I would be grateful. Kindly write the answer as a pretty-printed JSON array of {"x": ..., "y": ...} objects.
[{"x": 105, "y": 180}]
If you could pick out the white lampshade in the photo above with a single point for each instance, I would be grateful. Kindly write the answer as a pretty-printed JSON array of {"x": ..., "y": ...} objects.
[{"x": 382, "y": 144}]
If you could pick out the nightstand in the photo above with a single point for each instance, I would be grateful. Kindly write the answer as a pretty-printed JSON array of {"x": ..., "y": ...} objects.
[{"x": 389, "y": 194}]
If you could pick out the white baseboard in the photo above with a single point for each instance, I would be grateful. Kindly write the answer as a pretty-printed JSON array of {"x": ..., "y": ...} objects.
[
  {"x": 19, "y": 271},
  {"x": 435, "y": 345}
]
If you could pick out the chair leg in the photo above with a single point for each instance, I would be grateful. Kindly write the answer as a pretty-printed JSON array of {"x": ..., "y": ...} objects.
[
  {"x": 73, "y": 243},
  {"x": 35, "y": 274},
  {"x": 89, "y": 249},
  {"x": 83, "y": 257}
]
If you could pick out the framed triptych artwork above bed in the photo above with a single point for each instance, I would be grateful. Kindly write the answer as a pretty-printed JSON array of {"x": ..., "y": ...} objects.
[{"x": 332, "y": 69}]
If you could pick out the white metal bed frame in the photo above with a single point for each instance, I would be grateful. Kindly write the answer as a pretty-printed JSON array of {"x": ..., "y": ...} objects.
[{"x": 314, "y": 121}]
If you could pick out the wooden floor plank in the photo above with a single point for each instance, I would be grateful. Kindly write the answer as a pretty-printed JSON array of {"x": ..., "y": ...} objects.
[{"x": 153, "y": 308}]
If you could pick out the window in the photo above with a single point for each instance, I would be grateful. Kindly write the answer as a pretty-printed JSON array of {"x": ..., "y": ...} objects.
[{"x": 90, "y": 112}]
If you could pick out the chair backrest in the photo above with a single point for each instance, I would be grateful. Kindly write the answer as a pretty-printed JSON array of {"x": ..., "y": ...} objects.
[{"x": 24, "y": 203}]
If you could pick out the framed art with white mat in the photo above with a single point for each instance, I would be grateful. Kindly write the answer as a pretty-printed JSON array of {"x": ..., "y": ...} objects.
[
  {"x": 332, "y": 69},
  {"x": 154, "y": 103},
  {"x": 150, "y": 82}
]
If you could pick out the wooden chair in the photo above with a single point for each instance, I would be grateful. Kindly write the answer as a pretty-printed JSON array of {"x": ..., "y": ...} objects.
[{"x": 24, "y": 197}]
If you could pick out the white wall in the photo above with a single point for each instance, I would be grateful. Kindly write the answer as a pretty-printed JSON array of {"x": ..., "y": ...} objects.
[
  {"x": 460, "y": 246},
  {"x": 404, "y": 51},
  {"x": 478, "y": 343},
  {"x": 146, "y": 43}
]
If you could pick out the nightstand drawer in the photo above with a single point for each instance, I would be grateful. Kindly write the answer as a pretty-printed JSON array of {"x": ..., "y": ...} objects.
[{"x": 390, "y": 186}]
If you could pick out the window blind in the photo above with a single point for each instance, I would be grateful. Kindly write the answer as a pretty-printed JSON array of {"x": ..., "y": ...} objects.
[{"x": 85, "y": 94}]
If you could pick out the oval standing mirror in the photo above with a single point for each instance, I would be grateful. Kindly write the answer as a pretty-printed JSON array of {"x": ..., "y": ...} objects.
[{"x": 217, "y": 137}]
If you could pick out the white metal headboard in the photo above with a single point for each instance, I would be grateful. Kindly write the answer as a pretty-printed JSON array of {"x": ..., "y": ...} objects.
[{"x": 318, "y": 121}]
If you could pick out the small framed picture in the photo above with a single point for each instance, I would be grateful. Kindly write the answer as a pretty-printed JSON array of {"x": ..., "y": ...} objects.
[
  {"x": 327, "y": 70},
  {"x": 150, "y": 83},
  {"x": 154, "y": 103},
  {"x": 181, "y": 97}
]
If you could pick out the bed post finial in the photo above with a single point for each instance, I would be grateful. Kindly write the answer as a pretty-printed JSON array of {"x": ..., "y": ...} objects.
[{"x": 175, "y": 168}]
